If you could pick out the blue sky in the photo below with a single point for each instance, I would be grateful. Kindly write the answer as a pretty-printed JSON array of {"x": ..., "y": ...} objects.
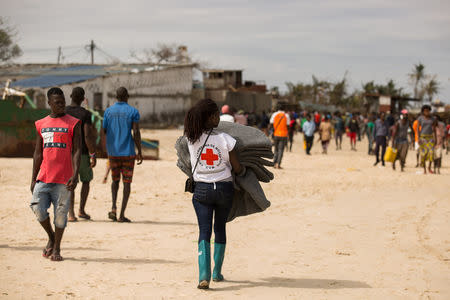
[{"x": 275, "y": 41}]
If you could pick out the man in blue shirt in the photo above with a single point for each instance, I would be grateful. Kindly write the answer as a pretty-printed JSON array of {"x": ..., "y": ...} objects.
[
  {"x": 118, "y": 122},
  {"x": 308, "y": 130}
]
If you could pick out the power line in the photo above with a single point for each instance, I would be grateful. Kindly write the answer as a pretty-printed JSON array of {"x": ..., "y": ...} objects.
[
  {"x": 89, "y": 51},
  {"x": 74, "y": 53},
  {"x": 107, "y": 55},
  {"x": 31, "y": 50}
]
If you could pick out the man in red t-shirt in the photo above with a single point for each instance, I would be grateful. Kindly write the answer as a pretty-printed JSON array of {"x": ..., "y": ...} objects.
[{"x": 56, "y": 162}]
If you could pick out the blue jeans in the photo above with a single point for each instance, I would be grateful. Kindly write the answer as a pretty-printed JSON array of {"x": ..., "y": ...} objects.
[
  {"x": 45, "y": 194},
  {"x": 209, "y": 199}
]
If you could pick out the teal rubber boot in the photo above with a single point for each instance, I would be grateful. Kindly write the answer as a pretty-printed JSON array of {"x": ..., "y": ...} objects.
[
  {"x": 219, "y": 254},
  {"x": 204, "y": 264}
]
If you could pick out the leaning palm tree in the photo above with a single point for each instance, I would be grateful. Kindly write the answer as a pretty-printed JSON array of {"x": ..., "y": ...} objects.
[
  {"x": 431, "y": 88},
  {"x": 417, "y": 76}
]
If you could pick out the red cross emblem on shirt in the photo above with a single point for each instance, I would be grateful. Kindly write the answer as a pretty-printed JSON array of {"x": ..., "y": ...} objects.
[{"x": 210, "y": 157}]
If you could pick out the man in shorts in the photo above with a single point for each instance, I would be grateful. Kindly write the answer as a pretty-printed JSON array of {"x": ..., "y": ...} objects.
[
  {"x": 118, "y": 122},
  {"x": 56, "y": 161},
  {"x": 88, "y": 159}
]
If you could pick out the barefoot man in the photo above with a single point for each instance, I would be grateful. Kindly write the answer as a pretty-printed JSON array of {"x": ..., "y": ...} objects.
[
  {"x": 118, "y": 122},
  {"x": 56, "y": 162},
  {"x": 88, "y": 160}
]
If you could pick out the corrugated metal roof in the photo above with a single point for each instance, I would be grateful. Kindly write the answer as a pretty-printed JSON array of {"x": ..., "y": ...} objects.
[
  {"x": 46, "y": 81},
  {"x": 57, "y": 76},
  {"x": 60, "y": 76},
  {"x": 221, "y": 70}
]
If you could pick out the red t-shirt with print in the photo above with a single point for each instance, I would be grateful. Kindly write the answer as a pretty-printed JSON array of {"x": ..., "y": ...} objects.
[{"x": 57, "y": 135}]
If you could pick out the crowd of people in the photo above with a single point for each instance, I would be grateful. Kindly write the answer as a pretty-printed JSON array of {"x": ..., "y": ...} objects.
[
  {"x": 426, "y": 133},
  {"x": 66, "y": 153}
]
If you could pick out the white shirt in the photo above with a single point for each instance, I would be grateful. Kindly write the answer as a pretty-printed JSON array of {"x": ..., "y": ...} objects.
[
  {"x": 272, "y": 118},
  {"x": 227, "y": 118},
  {"x": 214, "y": 163}
]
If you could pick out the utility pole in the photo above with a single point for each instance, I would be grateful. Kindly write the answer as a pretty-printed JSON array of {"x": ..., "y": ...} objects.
[
  {"x": 59, "y": 55},
  {"x": 92, "y": 47}
]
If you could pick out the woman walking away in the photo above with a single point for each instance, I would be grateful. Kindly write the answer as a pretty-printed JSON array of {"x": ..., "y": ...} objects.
[
  {"x": 212, "y": 160},
  {"x": 440, "y": 144},
  {"x": 325, "y": 134},
  {"x": 427, "y": 138},
  {"x": 400, "y": 138}
]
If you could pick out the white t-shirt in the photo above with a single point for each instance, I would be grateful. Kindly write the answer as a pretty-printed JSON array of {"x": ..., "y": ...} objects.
[
  {"x": 227, "y": 118},
  {"x": 214, "y": 163}
]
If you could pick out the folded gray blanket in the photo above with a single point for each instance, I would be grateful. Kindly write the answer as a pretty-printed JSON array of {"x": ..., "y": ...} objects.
[
  {"x": 249, "y": 197},
  {"x": 252, "y": 153},
  {"x": 252, "y": 147},
  {"x": 247, "y": 137}
]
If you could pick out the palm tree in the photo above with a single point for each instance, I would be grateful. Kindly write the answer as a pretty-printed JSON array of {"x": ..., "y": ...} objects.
[
  {"x": 295, "y": 90},
  {"x": 369, "y": 87},
  {"x": 431, "y": 88},
  {"x": 417, "y": 75},
  {"x": 338, "y": 92},
  {"x": 391, "y": 89}
]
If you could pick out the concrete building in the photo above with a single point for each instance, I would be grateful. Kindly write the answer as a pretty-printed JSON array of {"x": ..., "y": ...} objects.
[
  {"x": 162, "y": 96},
  {"x": 225, "y": 87},
  {"x": 218, "y": 82},
  {"x": 387, "y": 103}
]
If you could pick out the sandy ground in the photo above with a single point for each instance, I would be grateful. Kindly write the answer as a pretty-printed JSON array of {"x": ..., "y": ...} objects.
[{"x": 338, "y": 228}]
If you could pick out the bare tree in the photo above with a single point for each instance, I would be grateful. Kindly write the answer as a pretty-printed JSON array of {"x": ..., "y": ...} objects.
[
  {"x": 8, "y": 47},
  {"x": 163, "y": 54}
]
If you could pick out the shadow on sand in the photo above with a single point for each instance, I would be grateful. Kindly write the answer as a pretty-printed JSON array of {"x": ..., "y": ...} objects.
[
  {"x": 33, "y": 248},
  {"x": 300, "y": 283},
  {"x": 93, "y": 259},
  {"x": 128, "y": 261},
  {"x": 175, "y": 223}
]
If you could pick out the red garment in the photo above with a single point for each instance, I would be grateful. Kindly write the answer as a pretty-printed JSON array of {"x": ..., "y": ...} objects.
[
  {"x": 57, "y": 135},
  {"x": 448, "y": 130},
  {"x": 317, "y": 119}
]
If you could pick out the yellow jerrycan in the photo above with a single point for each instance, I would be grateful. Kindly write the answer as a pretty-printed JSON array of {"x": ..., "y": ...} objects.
[{"x": 390, "y": 155}]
